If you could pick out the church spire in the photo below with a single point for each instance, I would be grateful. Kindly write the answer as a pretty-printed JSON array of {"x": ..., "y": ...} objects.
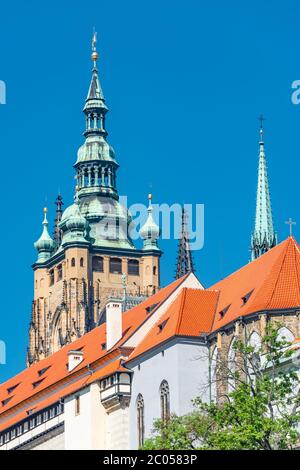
[
  {"x": 95, "y": 108},
  {"x": 57, "y": 235},
  {"x": 96, "y": 164},
  {"x": 185, "y": 263},
  {"x": 264, "y": 237}
]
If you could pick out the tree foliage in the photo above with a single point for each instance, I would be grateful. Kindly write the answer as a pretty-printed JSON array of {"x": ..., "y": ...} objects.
[{"x": 261, "y": 411}]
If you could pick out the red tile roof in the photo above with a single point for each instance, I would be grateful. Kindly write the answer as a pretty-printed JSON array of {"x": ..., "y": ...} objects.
[
  {"x": 57, "y": 381},
  {"x": 190, "y": 314},
  {"x": 272, "y": 282}
]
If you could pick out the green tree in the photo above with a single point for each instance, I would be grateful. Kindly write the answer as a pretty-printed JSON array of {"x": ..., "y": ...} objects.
[{"x": 261, "y": 411}]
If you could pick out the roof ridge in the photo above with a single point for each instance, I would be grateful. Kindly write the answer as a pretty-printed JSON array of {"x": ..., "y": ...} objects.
[
  {"x": 218, "y": 292},
  {"x": 182, "y": 303},
  {"x": 280, "y": 270}
]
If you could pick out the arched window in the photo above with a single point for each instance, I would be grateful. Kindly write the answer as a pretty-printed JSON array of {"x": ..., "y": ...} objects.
[
  {"x": 133, "y": 267},
  {"x": 164, "y": 400},
  {"x": 154, "y": 270},
  {"x": 284, "y": 334},
  {"x": 81, "y": 262},
  {"x": 98, "y": 264},
  {"x": 231, "y": 367},
  {"x": 51, "y": 277},
  {"x": 255, "y": 341},
  {"x": 73, "y": 262},
  {"x": 254, "y": 362},
  {"x": 213, "y": 375},
  {"x": 59, "y": 272},
  {"x": 115, "y": 265},
  {"x": 140, "y": 419}
]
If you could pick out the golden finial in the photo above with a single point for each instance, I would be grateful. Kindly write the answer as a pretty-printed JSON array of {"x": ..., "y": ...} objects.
[
  {"x": 45, "y": 210},
  {"x": 95, "y": 54},
  {"x": 150, "y": 197}
]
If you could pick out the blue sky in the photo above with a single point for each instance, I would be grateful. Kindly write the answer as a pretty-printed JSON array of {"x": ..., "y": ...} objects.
[{"x": 185, "y": 83}]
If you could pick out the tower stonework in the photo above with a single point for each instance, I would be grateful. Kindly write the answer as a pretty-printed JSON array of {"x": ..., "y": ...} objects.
[{"x": 92, "y": 256}]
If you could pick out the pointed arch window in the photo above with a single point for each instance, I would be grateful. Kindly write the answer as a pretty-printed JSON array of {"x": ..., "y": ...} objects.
[
  {"x": 164, "y": 400},
  {"x": 284, "y": 334},
  {"x": 140, "y": 409},
  {"x": 59, "y": 272},
  {"x": 231, "y": 367},
  {"x": 213, "y": 375},
  {"x": 73, "y": 262}
]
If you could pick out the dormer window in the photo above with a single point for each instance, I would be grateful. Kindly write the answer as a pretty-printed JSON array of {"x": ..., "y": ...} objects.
[
  {"x": 4, "y": 402},
  {"x": 42, "y": 371},
  {"x": 37, "y": 383},
  {"x": 246, "y": 297},
  {"x": 223, "y": 312},
  {"x": 10, "y": 389},
  {"x": 151, "y": 308},
  {"x": 162, "y": 325}
]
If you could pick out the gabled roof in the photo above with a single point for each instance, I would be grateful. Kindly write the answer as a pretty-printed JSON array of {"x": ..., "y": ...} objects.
[
  {"x": 271, "y": 282},
  {"x": 191, "y": 314},
  {"x": 48, "y": 380}
]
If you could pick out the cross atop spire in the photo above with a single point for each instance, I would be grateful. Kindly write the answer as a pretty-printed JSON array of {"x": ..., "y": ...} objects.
[
  {"x": 290, "y": 222},
  {"x": 264, "y": 236},
  {"x": 185, "y": 263}
]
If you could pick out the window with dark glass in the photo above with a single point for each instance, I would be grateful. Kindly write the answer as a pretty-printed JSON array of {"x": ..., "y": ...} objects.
[
  {"x": 59, "y": 272},
  {"x": 73, "y": 262},
  {"x": 133, "y": 267},
  {"x": 115, "y": 265},
  {"x": 164, "y": 400},
  {"x": 81, "y": 262},
  {"x": 77, "y": 405},
  {"x": 140, "y": 419},
  {"x": 51, "y": 277},
  {"x": 98, "y": 264}
]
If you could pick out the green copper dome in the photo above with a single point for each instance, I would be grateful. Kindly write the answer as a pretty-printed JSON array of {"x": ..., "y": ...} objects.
[
  {"x": 150, "y": 230},
  {"x": 95, "y": 148},
  {"x": 45, "y": 245}
]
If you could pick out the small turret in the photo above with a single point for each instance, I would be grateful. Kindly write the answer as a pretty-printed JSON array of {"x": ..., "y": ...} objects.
[
  {"x": 76, "y": 224},
  {"x": 45, "y": 245},
  {"x": 150, "y": 230}
]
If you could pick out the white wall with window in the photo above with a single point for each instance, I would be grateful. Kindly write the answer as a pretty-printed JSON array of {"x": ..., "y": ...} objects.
[{"x": 167, "y": 379}]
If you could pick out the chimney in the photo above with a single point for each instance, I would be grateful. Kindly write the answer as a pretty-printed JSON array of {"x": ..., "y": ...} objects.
[
  {"x": 74, "y": 358},
  {"x": 113, "y": 323}
]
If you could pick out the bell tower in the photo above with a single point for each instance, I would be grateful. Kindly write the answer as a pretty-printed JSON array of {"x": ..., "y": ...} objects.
[{"x": 91, "y": 256}]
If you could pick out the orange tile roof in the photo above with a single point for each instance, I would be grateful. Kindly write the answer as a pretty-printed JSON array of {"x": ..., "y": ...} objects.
[
  {"x": 273, "y": 280},
  {"x": 57, "y": 381},
  {"x": 190, "y": 314}
]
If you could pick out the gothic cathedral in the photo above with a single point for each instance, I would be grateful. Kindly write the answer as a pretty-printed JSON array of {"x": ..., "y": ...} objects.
[{"x": 91, "y": 257}]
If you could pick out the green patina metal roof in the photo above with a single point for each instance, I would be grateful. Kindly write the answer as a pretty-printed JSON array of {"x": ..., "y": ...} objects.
[{"x": 264, "y": 236}]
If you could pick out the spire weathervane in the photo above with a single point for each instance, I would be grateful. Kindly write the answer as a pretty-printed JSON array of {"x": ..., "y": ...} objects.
[
  {"x": 95, "y": 54},
  {"x": 290, "y": 222}
]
